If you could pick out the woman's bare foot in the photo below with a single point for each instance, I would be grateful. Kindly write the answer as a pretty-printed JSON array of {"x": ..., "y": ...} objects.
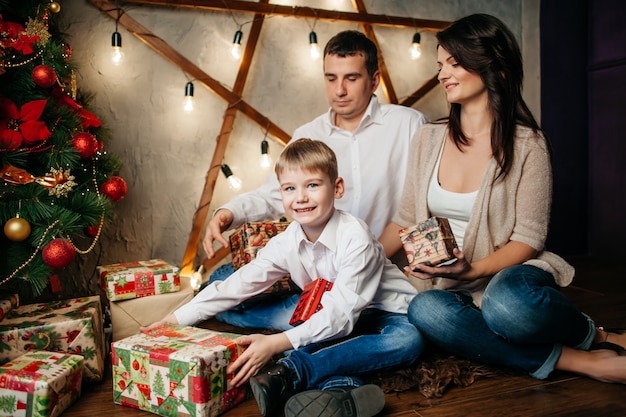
[{"x": 603, "y": 365}]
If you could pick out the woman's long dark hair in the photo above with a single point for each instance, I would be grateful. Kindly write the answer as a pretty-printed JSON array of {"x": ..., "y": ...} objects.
[{"x": 482, "y": 44}]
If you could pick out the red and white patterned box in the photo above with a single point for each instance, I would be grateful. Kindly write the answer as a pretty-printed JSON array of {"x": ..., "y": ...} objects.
[
  {"x": 40, "y": 384},
  {"x": 127, "y": 280},
  {"x": 72, "y": 326},
  {"x": 175, "y": 370}
]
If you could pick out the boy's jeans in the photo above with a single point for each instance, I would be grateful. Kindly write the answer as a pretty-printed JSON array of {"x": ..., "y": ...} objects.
[
  {"x": 380, "y": 341},
  {"x": 271, "y": 313},
  {"x": 523, "y": 321}
]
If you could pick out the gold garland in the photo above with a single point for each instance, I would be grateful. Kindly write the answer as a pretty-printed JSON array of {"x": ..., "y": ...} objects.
[
  {"x": 6, "y": 64},
  {"x": 80, "y": 251},
  {"x": 4, "y": 281}
]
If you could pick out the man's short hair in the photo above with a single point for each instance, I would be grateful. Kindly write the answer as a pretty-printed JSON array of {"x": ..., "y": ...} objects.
[{"x": 353, "y": 42}]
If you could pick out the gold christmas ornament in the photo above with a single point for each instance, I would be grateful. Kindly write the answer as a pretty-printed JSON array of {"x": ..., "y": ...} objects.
[
  {"x": 17, "y": 229},
  {"x": 54, "y": 7}
]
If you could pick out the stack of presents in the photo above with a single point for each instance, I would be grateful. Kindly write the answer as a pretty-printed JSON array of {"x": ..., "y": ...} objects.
[{"x": 49, "y": 350}]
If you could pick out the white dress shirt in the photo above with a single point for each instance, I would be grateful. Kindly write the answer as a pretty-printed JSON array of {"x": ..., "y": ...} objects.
[
  {"x": 346, "y": 253},
  {"x": 372, "y": 160}
]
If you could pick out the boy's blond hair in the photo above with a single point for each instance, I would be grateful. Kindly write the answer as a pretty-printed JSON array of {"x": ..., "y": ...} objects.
[{"x": 310, "y": 155}]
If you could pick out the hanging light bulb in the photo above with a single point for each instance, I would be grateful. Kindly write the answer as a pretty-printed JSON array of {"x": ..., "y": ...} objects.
[
  {"x": 236, "y": 48},
  {"x": 188, "y": 101},
  {"x": 315, "y": 49},
  {"x": 266, "y": 160},
  {"x": 233, "y": 182},
  {"x": 117, "y": 55},
  {"x": 416, "y": 50}
]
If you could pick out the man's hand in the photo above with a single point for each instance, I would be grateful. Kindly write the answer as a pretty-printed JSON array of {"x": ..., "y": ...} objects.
[
  {"x": 217, "y": 225},
  {"x": 169, "y": 319},
  {"x": 260, "y": 350}
]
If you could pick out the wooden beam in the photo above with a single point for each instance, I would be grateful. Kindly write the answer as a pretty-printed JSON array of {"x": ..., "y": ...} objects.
[
  {"x": 169, "y": 53},
  {"x": 385, "y": 79},
  {"x": 201, "y": 214},
  {"x": 421, "y": 92},
  {"x": 298, "y": 11}
]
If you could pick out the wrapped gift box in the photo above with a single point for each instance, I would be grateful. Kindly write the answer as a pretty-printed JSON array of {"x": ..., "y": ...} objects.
[
  {"x": 7, "y": 303},
  {"x": 128, "y": 280},
  {"x": 248, "y": 238},
  {"x": 69, "y": 326},
  {"x": 129, "y": 315},
  {"x": 310, "y": 301},
  {"x": 245, "y": 242},
  {"x": 40, "y": 384},
  {"x": 175, "y": 370},
  {"x": 430, "y": 242}
]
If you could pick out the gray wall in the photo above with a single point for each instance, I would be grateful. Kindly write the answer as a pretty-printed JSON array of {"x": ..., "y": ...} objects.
[{"x": 166, "y": 153}]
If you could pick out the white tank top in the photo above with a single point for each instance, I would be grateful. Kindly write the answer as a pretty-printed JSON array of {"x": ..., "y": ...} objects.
[{"x": 456, "y": 207}]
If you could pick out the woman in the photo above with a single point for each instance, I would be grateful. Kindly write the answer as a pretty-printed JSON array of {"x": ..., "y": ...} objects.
[{"x": 487, "y": 169}]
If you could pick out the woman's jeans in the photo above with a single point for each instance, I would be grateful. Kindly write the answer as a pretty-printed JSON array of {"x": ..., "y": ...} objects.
[
  {"x": 523, "y": 321},
  {"x": 380, "y": 341}
]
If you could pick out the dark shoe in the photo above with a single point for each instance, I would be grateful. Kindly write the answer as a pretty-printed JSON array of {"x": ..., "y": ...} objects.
[
  {"x": 608, "y": 345},
  {"x": 271, "y": 387},
  {"x": 364, "y": 401}
]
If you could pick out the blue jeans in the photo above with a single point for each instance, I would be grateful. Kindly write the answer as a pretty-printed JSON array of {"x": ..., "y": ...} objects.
[
  {"x": 523, "y": 322},
  {"x": 269, "y": 313},
  {"x": 380, "y": 341}
]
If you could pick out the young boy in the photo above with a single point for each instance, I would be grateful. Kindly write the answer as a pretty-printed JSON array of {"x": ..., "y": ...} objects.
[{"x": 362, "y": 326}]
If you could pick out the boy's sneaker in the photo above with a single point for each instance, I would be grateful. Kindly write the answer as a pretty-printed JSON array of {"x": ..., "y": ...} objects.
[{"x": 364, "y": 401}]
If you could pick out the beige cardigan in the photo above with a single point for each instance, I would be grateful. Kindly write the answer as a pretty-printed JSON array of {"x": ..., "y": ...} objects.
[{"x": 516, "y": 208}]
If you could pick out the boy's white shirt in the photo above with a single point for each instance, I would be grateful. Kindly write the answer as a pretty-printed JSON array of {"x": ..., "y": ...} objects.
[{"x": 346, "y": 253}]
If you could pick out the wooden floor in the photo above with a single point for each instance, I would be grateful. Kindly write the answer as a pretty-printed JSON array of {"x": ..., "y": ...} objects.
[{"x": 599, "y": 290}]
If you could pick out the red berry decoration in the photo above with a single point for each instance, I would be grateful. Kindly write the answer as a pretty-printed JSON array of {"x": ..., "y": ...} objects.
[
  {"x": 92, "y": 231},
  {"x": 86, "y": 144},
  {"x": 44, "y": 76},
  {"x": 115, "y": 188},
  {"x": 59, "y": 253}
]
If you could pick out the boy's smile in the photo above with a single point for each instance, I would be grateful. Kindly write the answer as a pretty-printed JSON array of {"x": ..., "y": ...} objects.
[{"x": 308, "y": 198}]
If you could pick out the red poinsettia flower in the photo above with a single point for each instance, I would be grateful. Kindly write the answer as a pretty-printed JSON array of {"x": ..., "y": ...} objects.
[
  {"x": 24, "y": 43},
  {"x": 10, "y": 28},
  {"x": 18, "y": 126},
  {"x": 88, "y": 119}
]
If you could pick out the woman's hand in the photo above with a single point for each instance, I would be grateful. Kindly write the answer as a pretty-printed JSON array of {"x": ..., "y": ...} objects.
[
  {"x": 260, "y": 350},
  {"x": 455, "y": 270}
]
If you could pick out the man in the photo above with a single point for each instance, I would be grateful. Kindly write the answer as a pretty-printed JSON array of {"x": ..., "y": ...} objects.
[{"x": 371, "y": 141}]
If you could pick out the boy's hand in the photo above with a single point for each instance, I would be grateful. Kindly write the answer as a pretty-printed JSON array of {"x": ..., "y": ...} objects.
[
  {"x": 214, "y": 229},
  {"x": 260, "y": 350},
  {"x": 169, "y": 319}
]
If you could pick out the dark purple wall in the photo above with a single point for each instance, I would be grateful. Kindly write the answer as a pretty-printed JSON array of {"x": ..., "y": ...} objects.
[{"x": 583, "y": 79}]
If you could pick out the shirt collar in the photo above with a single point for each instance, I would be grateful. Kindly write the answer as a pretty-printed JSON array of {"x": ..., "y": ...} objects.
[
  {"x": 328, "y": 238},
  {"x": 372, "y": 115}
]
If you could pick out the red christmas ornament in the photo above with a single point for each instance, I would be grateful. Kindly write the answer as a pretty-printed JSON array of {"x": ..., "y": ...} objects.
[
  {"x": 86, "y": 144},
  {"x": 92, "y": 231},
  {"x": 44, "y": 76},
  {"x": 115, "y": 188},
  {"x": 59, "y": 253}
]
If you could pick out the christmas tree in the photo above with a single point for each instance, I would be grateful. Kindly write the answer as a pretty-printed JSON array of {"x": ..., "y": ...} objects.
[{"x": 57, "y": 182}]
